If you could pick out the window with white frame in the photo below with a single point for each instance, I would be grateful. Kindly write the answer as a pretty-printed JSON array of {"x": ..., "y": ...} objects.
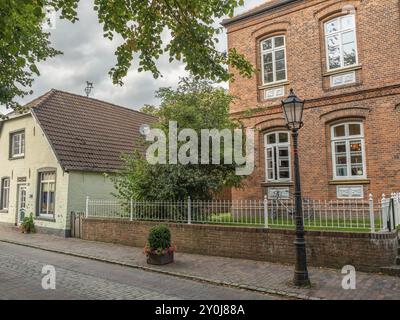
[
  {"x": 5, "y": 193},
  {"x": 277, "y": 156},
  {"x": 273, "y": 60},
  {"x": 341, "y": 43},
  {"x": 348, "y": 148},
  {"x": 47, "y": 192},
  {"x": 17, "y": 148}
]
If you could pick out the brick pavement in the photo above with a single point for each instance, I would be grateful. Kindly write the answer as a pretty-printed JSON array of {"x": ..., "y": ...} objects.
[
  {"x": 86, "y": 279},
  {"x": 253, "y": 275}
]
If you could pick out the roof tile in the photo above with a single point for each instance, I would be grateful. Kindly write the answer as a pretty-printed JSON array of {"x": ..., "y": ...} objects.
[{"x": 88, "y": 134}]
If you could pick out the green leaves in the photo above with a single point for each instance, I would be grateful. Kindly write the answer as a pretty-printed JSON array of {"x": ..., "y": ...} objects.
[
  {"x": 23, "y": 43},
  {"x": 143, "y": 25},
  {"x": 196, "y": 105}
]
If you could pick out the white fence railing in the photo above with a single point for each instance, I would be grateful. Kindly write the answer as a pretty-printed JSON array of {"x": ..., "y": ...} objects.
[
  {"x": 391, "y": 211},
  {"x": 357, "y": 215}
]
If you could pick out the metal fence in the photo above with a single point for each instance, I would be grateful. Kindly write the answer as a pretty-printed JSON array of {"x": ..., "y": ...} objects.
[{"x": 349, "y": 215}]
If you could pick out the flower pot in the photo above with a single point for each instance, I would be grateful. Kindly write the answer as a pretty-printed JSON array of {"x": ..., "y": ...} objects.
[{"x": 160, "y": 260}]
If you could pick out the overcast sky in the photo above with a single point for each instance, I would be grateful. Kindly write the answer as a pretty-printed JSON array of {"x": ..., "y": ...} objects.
[{"x": 89, "y": 56}]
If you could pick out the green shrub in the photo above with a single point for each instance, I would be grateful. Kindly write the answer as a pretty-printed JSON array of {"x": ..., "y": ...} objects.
[
  {"x": 28, "y": 224},
  {"x": 159, "y": 238}
]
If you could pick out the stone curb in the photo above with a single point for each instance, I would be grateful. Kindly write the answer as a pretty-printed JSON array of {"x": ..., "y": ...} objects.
[{"x": 281, "y": 293}]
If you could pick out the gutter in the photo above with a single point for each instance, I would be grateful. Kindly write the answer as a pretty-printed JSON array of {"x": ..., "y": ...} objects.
[{"x": 227, "y": 22}]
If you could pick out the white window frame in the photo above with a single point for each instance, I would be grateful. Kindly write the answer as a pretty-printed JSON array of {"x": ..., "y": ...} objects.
[
  {"x": 41, "y": 182},
  {"x": 21, "y": 147},
  {"x": 2, "y": 196},
  {"x": 274, "y": 146},
  {"x": 340, "y": 33},
  {"x": 273, "y": 51},
  {"x": 347, "y": 139}
]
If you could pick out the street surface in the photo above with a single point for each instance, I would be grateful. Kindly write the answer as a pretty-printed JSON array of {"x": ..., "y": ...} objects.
[{"x": 84, "y": 279}]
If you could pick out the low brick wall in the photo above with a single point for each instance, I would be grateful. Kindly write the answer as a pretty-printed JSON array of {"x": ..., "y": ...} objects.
[{"x": 367, "y": 252}]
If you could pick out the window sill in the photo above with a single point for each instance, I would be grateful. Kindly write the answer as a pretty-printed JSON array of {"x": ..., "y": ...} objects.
[
  {"x": 341, "y": 70},
  {"x": 16, "y": 158},
  {"x": 278, "y": 184},
  {"x": 349, "y": 182},
  {"x": 3, "y": 211},
  {"x": 39, "y": 218},
  {"x": 274, "y": 85}
]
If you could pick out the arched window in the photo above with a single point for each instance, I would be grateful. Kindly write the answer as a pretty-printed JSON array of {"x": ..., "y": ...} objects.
[
  {"x": 341, "y": 44},
  {"x": 273, "y": 60},
  {"x": 277, "y": 156},
  {"x": 348, "y": 148}
]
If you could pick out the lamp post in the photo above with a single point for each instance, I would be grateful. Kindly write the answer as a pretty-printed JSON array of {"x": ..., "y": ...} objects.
[{"x": 293, "y": 110}]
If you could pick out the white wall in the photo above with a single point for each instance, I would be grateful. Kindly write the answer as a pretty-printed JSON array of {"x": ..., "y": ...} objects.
[{"x": 38, "y": 155}]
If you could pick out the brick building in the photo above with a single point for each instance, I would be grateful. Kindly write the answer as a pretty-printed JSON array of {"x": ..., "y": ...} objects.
[{"x": 343, "y": 57}]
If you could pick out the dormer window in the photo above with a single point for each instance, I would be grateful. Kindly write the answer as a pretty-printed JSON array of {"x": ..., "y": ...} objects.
[
  {"x": 341, "y": 44},
  {"x": 17, "y": 144},
  {"x": 273, "y": 60}
]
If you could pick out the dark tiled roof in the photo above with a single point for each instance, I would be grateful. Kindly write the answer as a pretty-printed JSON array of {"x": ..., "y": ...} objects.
[
  {"x": 267, "y": 6},
  {"x": 88, "y": 134}
]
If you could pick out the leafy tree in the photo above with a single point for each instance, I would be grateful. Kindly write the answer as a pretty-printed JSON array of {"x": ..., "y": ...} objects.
[
  {"x": 195, "y": 105},
  {"x": 141, "y": 24}
]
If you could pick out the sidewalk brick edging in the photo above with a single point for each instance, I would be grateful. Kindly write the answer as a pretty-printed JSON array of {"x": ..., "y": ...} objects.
[{"x": 174, "y": 274}]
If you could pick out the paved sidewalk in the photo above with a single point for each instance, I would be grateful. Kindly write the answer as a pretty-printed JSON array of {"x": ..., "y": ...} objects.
[{"x": 252, "y": 275}]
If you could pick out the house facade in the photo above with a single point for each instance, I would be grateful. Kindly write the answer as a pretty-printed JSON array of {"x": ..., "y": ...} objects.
[
  {"x": 65, "y": 148},
  {"x": 342, "y": 57}
]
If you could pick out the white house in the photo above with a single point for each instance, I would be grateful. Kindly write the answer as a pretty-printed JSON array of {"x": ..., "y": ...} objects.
[{"x": 58, "y": 153}]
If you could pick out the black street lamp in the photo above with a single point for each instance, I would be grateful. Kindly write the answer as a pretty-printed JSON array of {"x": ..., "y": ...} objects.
[{"x": 293, "y": 111}]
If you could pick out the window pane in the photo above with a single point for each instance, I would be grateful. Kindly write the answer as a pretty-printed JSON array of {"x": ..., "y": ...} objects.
[
  {"x": 280, "y": 55},
  {"x": 270, "y": 164},
  {"x": 340, "y": 148},
  {"x": 280, "y": 65},
  {"x": 281, "y": 75},
  {"x": 333, "y": 41},
  {"x": 357, "y": 171},
  {"x": 271, "y": 138},
  {"x": 349, "y": 54},
  {"x": 341, "y": 171},
  {"x": 355, "y": 146},
  {"x": 348, "y": 22},
  {"x": 283, "y": 138},
  {"x": 267, "y": 44},
  {"x": 341, "y": 159},
  {"x": 51, "y": 198},
  {"x": 332, "y": 26},
  {"x": 279, "y": 42},
  {"x": 283, "y": 153},
  {"x": 5, "y": 193},
  {"x": 23, "y": 143},
  {"x": 348, "y": 37},
  {"x": 269, "y": 77},
  {"x": 268, "y": 58},
  {"x": 334, "y": 57},
  {"x": 284, "y": 174},
  {"x": 340, "y": 131},
  {"x": 355, "y": 129},
  {"x": 356, "y": 159}
]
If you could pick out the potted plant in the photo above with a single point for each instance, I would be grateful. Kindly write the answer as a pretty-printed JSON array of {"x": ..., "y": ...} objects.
[
  {"x": 159, "y": 250},
  {"x": 28, "y": 224}
]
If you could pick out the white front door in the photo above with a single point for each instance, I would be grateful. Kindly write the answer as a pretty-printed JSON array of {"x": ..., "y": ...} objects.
[{"x": 21, "y": 203}]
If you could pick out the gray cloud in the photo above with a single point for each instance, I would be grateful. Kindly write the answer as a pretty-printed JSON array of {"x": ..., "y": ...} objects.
[{"x": 89, "y": 56}]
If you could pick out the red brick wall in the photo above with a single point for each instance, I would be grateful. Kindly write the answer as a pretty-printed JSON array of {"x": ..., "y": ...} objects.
[
  {"x": 325, "y": 249},
  {"x": 372, "y": 99}
]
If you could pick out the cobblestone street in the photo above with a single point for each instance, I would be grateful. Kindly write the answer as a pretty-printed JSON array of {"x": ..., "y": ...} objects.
[{"x": 77, "y": 278}]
